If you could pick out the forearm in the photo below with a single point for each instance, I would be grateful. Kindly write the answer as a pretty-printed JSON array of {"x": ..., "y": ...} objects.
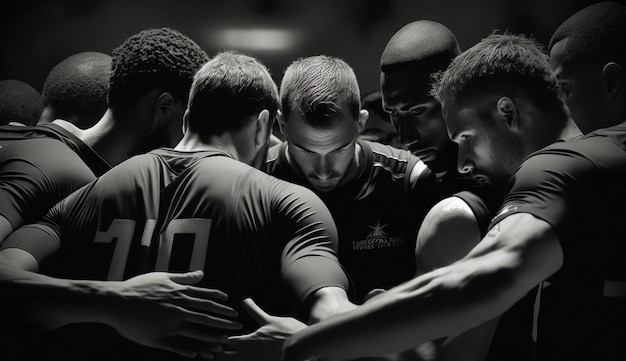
[
  {"x": 47, "y": 303},
  {"x": 390, "y": 323},
  {"x": 444, "y": 302},
  {"x": 328, "y": 302}
]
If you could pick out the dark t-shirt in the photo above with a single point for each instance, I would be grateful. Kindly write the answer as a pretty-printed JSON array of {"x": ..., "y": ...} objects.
[
  {"x": 579, "y": 188},
  {"x": 39, "y": 166},
  {"x": 252, "y": 234},
  {"x": 377, "y": 214}
]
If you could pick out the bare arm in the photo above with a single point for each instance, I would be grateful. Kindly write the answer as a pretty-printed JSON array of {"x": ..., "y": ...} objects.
[
  {"x": 328, "y": 302},
  {"x": 146, "y": 309},
  {"x": 449, "y": 231},
  {"x": 518, "y": 253}
]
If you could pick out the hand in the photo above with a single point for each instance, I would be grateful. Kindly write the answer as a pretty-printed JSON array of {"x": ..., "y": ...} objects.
[
  {"x": 266, "y": 342},
  {"x": 162, "y": 310}
]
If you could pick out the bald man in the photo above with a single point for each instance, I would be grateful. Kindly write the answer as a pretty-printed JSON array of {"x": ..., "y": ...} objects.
[
  {"x": 588, "y": 57},
  {"x": 460, "y": 220},
  {"x": 76, "y": 89}
]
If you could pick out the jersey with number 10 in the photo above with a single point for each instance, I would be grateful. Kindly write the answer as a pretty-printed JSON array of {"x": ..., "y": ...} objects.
[{"x": 176, "y": 211}]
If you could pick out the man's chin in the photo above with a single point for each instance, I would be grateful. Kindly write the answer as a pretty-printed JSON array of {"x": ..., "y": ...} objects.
[{"x": 323, "y": 186}]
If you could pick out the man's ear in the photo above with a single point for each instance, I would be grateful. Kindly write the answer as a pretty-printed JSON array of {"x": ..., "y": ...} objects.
[
  {"x": 506, "y": 109},
  {"x": 613, "y": 77},
  {"x": 164, "y": 104},
  {"x": 263, "y": 128},
  {"x": 363, "y": 115},
  {"x": 281, "y": 122},
  {"x": 185, "y": 127}
]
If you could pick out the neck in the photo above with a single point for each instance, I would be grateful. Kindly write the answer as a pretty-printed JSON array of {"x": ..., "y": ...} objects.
[
  {"x": 111, "y": 138},
  {"x": 224, "y": 143},
  {"x": 569, "y": 131}
]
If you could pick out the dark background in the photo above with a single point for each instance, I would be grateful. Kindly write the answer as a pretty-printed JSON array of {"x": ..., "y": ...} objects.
[{"x": 36, "y": 34}]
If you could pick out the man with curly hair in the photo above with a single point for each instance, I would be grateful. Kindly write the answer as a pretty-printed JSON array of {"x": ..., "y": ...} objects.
[
  {"x": 76, "y": 89},
  {"x": 152, "y": 72},
  {"x": 560, "y": 228},
  {"x": 151, "y": 75},
  {"x": 199, "y": 206}
]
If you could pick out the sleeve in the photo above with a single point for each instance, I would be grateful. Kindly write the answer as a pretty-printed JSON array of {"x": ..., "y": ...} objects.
[
  {"x": 550, "y": 186},
  {"x": 479, "y": 207},
  {"x": 309, "y": 259},
  {"x": 32, "y": 185},
  {"x": 43, "y": 238}
]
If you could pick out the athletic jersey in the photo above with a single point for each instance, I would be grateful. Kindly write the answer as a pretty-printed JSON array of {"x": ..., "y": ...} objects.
[
  {"x": 39, "y": 166},
  {"x": 377, "y": 214},
  {"x": 252, "y": 234},
  {"x": 579, "y": 188}
]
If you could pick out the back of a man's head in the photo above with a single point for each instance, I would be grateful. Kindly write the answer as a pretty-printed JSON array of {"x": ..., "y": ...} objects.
[
  {"x": 161, "y": 59},
  {"x": 76, "y": 89},
  {"x": 507, "y": 63},
  {"x": 318, "y": 87},
  {"x": 595, "y": 33},
  {"x": 424, "y": 46},
  {"x": 227, "y": 90},
  {"x": 19, "y": 102}
]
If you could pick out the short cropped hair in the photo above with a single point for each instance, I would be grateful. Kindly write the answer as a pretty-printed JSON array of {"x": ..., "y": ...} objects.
[
  {"x": 78, "y": 87},
  {"x": 426, "y": 43},
  {"x": 19, "y": 102},
  {"x": 227, "y": 90},
  {"x": 154, "y": 58},
  {"x": 597, "y": 32},
  {"x": 506, "y": 63},
  {"x": 317, "y": 87}
]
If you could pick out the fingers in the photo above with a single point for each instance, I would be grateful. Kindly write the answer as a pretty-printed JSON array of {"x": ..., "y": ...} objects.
[
  {"x": 208, "y": 306},
  {"x": 188, "y": 278},
  {"x": 208, "y": 320},
  {"x": 255, "y": 312}
]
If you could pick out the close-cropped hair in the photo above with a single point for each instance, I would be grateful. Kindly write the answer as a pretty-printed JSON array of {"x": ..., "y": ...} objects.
[
  {"x": 19, "y": 102},
  {"x": 317, "y": 87},
  {"x": 78, "y": 86},
  {"x": 595, "y": 33},
  {"x": 506, "y": 63},
  {"x": 227, "y": 91},
  {"x": 161, "y": 59}
]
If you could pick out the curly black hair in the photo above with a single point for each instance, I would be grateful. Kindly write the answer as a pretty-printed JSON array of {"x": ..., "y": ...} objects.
[{"x": 155, "y": 58}]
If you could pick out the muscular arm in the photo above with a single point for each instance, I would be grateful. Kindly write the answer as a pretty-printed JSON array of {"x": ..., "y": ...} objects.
[
  {"x": 147, "y": 309},
  {"x": 449, "y": 231},
  {"x": 519, "y": 252}
]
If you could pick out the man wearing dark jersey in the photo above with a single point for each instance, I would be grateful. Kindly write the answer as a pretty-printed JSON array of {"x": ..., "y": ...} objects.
[
  {"x": 456, "y": 223},
  {"x": 199, "y": 206},
  {"x": 42, "y": 164},
  {"x": 561, "y": 225},
  {"x": 376, "y": 194}
]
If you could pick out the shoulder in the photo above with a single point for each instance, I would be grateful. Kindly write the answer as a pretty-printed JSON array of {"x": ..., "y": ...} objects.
[
  {"x": 451, "y": 210},
  {"x": 448, "y": 232},
  {"x": 400, "y": 163}
]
